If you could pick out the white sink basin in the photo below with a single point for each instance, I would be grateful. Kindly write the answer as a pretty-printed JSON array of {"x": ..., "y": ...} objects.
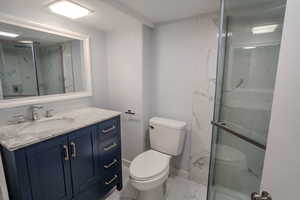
[{"x": 46, "y": 125}]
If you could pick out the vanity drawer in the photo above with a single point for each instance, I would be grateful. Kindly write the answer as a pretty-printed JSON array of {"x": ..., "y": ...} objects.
[
  {"x": 109, "y": 128},
  {"x": 109, "y": 147},
  {"x": 112, "y": 162},
  {"x": 111, "y": 180}
]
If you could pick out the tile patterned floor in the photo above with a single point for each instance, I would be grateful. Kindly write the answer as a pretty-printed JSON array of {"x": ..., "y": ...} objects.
[{"x": 178, "y": 188}]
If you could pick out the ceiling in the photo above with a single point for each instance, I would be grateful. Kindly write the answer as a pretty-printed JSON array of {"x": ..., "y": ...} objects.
[
  {"x": 157, "y": 11},
  {"x": 104, "y": 16},
  {"x": 115, "y": 14}
]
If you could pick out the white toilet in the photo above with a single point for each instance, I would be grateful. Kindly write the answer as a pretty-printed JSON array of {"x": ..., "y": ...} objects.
[{"x": 150, "y": 170}]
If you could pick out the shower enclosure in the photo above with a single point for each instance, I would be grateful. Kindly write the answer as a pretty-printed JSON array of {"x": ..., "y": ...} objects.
[
  {"x": 249, "y": 45},
  {"x": 34, "y": 69}
]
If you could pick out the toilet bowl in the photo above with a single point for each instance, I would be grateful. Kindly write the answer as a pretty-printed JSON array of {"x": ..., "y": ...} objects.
[
  {"x": 150, "y": 170},
  {"x": 230, "y": 165}
]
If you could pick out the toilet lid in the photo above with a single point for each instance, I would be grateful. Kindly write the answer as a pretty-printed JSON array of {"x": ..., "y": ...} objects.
[
  {"x": 149, "y": 164},
  {"x": 229, "y": 154}
]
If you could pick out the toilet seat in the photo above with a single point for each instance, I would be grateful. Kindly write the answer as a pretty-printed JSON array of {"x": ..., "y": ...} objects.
[{"x": 149, "y": 165}]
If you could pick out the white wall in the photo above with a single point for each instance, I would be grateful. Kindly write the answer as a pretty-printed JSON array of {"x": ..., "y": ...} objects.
[
  {"x": 148, "y": 80},
  {"x": 185, "y": 55},
  {"x": 281, "y": 170},
  {"x": 125, "y": 84}
]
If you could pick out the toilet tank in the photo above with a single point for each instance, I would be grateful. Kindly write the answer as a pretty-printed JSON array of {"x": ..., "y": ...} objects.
[{"x": 167, "y": 136}]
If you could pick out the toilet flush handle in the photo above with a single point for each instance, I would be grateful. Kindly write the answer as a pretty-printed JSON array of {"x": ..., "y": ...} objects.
[{"x": 151, "y": 127}]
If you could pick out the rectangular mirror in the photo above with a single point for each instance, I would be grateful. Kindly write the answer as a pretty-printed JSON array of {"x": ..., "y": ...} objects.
[{"x": 35, "y": 63}]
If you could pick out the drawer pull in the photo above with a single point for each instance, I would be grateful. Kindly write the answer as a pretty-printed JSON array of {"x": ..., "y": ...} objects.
[
  {"x": 111, "y": 180},
  {"x": 105, "y": 131},
  {"x": 110, "y": 147},
  {"x": 111, "y": 164},
  {"x": 66, "y": 153},
  {"x": 73, "y": 147}
]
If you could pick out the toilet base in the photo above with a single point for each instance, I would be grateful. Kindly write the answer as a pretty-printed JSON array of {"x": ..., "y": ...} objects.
[{"x": 157, "y": 193}]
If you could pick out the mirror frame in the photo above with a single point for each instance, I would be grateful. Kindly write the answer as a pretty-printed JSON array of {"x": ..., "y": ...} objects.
[{"x": 87, "y": 80}]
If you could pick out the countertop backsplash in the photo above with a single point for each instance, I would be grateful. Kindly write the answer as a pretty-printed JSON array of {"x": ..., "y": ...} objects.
[{"x": 6, "y": 115}]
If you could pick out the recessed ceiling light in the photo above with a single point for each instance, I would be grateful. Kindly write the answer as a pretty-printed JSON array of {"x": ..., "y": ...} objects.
[
  {"x": 69, "y": 9},
  {"x": 264, "y": 29},
  {"x": 7, "y": 34},
  {"x": 249, "y": 47}
]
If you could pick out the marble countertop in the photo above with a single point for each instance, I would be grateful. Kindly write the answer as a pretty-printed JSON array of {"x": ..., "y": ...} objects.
[{"x": 14, "y": 137}]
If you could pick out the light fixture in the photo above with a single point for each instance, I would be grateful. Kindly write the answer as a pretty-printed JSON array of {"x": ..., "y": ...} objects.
[
  {"x": 26, "y": 41},
  {"x": 69, "y": 9},
  {"x": 264, "y": 29},
  {"x": 249, "y": 47},
  {"x": 7, "y": 34}
]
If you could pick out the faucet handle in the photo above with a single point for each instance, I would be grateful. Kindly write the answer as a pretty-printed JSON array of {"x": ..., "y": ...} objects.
[{"x": 36, "y": 106}]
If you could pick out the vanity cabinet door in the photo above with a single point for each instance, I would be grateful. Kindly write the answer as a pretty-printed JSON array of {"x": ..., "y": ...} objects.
[
  {"x": 49, "y": 169},
  {"x": 83, "y": 159}
]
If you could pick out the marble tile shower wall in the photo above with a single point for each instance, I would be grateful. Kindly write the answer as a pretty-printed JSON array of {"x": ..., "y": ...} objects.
[
  {"x": 51, "y": 80},
  {"x": 204, "y": 80},
  {"x": 203, "y": 106},
  {"x": 16, "y": 71},
  {"x": 185, "y": 76}
]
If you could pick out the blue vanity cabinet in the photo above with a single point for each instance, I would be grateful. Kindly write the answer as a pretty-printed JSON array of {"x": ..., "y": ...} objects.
[
  {"x": 84, "y": 164},
  {"x": 49, "y": 170},
  {"x": 83, "y": 157}
]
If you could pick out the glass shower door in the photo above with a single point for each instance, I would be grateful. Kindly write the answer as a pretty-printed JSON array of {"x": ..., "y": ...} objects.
[
  {"x": 17, "y": 70},
  {"x": 248, "y": 58}
]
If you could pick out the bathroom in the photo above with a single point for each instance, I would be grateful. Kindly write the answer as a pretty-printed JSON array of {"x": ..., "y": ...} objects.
[{"x": 198, "y": 98}]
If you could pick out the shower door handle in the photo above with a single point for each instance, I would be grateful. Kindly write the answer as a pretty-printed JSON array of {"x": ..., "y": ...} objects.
[
  {"x": 264, "y": 196},
  {"x": 224, "y": 126}
]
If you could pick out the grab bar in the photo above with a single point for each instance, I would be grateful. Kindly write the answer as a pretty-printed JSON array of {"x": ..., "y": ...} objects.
[{"x": 223, "y": 125}]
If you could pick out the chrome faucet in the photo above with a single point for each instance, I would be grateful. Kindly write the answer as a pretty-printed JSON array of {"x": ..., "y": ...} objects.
[{"x": 35, "y": 114}]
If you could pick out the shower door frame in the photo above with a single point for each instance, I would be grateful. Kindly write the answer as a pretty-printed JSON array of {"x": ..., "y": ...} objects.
[
  {"x": 221, "y": 60},
  {"x": 222, "y": 39}
]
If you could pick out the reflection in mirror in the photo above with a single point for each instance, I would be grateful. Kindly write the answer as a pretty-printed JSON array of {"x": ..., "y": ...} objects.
[{"x": 34, "y": 63}]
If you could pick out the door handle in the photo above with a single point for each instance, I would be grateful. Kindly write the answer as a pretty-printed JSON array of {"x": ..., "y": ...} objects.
[
  {"x": 255, "y": 196},
  {"x": 66, "y": 153},
  {"x": 264, "y": 196},
  {"x": 73, "y": 149}
]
